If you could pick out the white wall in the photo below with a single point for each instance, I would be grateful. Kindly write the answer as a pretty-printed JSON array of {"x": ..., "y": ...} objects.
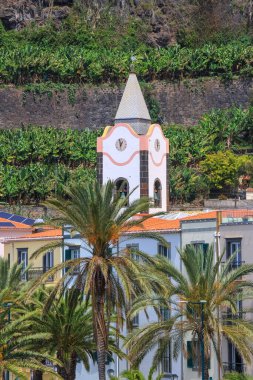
[
  {"x": 158, "y": 165},
  {"x": 124, "y": 163},
  {"x": 149, "y": 246}
]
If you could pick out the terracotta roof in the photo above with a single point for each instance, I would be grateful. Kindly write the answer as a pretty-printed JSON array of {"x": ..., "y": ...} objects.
[
  {"x": 56, "y": 232},
  {"x": 201, "y": 216},
  {"x": 7, "y": 223},
  {"x": 156, "y": 224}
]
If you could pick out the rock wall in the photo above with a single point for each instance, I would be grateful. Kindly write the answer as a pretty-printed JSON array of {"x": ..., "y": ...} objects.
[{"x": 94, "y": 107}]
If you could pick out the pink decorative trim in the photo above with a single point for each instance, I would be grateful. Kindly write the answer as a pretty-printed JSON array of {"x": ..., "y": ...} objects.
[
  {"x": 109, "y": 130},
  {"x": 151, "y": 130},
  {"x": 99, "y": 145},
  {"x": 144, "y": 142},
  {"x": 158, "y": 163},
  {"x": 123, "y": 163}
]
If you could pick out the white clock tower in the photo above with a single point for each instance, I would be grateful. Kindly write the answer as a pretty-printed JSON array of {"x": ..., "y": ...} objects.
[{"x": 134, "y": 151}]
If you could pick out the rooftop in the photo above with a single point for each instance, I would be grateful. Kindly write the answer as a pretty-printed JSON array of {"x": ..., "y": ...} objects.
[
  {"x": 132, "y": 108},
  {"x": 54, "y": 233}
]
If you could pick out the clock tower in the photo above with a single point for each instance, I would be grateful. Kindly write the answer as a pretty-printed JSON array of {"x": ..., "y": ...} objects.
[{"x": 134, "y": 152}]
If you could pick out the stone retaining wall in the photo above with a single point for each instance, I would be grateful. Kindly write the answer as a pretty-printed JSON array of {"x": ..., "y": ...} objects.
[{"x": 94, "y": 107}]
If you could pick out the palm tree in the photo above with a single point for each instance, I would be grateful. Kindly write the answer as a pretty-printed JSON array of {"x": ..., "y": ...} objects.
[
  {"x": 135, "y": 374},
  {"x": 15, "y": 349},
  {"x": 216, "y": 283},
  {"x": 109, "y": 278},
  {"x": 10, "y": 287},
  {"x": 69, "y": 324}
]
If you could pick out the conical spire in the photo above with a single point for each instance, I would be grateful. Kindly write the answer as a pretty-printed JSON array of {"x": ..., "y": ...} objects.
[{"x": 132, "y": 108}]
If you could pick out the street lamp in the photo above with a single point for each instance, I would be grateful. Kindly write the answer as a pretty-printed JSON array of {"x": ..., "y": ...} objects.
[
  {"x": 201, "y": 303},
  {"x": 8, "y": 305}
]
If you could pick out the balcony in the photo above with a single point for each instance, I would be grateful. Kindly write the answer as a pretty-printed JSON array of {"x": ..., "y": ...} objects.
[
  {"x": 234, "y": 264},
  {"x": 229, "y": 317},
  {"x": 237, "y": 217},
  {"x": 232, "y": 366},
  {"x": 36, "y": 272}
]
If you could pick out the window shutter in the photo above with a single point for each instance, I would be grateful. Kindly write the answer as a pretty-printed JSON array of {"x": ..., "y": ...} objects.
[
  {"x": 205, "y": 247},
  {"x": 67, "y": 254},
  {"x": 44, "y": 263},
  {"x": 189, "y": 355}
]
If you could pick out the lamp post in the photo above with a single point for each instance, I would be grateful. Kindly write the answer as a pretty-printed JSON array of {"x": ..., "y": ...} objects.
[
  {"x": 201, "y": 303},
  {"x": 7, "y": 305}
]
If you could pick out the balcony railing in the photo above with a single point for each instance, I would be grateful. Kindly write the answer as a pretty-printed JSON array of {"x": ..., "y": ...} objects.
[
  {"x": 237, "y": 216},
  {"x": 234, "y": 264},
  {"x": 237, "y": 367},
  {"x": 36, "y": 272}
]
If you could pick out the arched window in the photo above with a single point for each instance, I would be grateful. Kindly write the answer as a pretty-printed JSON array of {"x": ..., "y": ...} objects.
[
  {"x": 157, "y": 193},
  {"x": 122, "y": 188}
]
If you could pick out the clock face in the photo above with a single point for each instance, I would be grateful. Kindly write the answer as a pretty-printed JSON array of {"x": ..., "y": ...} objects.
[
  {"x": 121, "y": 144},
  {"x": 157, "y": 145}
]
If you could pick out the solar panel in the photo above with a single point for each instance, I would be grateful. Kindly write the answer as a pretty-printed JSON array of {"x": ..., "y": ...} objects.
[
  {"x": 29, "y": 221},
  {"x": 17, "y": 218},
  {"x": 6, "y": 224},
  {"x": 5, "y": 215}
]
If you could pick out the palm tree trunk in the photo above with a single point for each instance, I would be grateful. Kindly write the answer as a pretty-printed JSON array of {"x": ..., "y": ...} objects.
[
  {"x": 206, "y": 373},
  {"x": 100, "y": 324},
  {"x": 37, "y": 375},
  {"x": 72, "y": 368},
  {"x": 61, "y": 370}
]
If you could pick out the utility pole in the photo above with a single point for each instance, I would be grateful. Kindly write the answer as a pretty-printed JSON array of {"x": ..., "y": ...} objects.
[{"x": 217, "y": 251}]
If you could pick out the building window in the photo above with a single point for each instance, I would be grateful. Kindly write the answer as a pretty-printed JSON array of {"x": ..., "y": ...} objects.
[
  {"x": 164, "y": 251},
  {"x": 71, "y": 254},
  {"x": 23, "y": 259},
  {"x": 233, "y": 247},
  {"x": 48, "y": 263},
  {"x": 202, "y": 246},
  {"x": 166, "y": 360},
  {"x": 132, "y": 248},
  {"x": 122, "y": 188},
  {"x": 135, "y": 321},
  {"x": 157, "y": 193},
  {"x": 165, "y": 313},
  {"x": 194, "y": 355}
]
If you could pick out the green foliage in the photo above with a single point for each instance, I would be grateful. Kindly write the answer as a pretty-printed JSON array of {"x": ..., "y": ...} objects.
[
  {"x": 237, "y": 376},
  {"x": 220, "y": 131},
  {"x": 222, "y": 169},
  {"x": 204, "y": 279},
  {"x": 57, "y": 156},
  {"x": 62, "y": 157},
  {"x": 75, "y": 52}
]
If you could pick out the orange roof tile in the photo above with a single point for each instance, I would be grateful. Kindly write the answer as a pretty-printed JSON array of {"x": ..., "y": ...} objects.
[
  {"x": 201, "y": 216},
  {"x": 156, "y": 224},
  {"x": 56, "y": 232},
  {"x": 15, "y": 224}
]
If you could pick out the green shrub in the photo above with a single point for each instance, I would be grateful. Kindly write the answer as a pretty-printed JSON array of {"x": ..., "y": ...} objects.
[
  {"x": 74, "y": 52},
  {"x": 237, "y": 376}
]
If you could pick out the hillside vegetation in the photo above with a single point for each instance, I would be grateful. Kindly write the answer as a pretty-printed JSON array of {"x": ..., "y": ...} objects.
[
  {"x": 77, "y": 54},
  {"x": 36, "y": 162},
  {"x": 92, "y": 42}
]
